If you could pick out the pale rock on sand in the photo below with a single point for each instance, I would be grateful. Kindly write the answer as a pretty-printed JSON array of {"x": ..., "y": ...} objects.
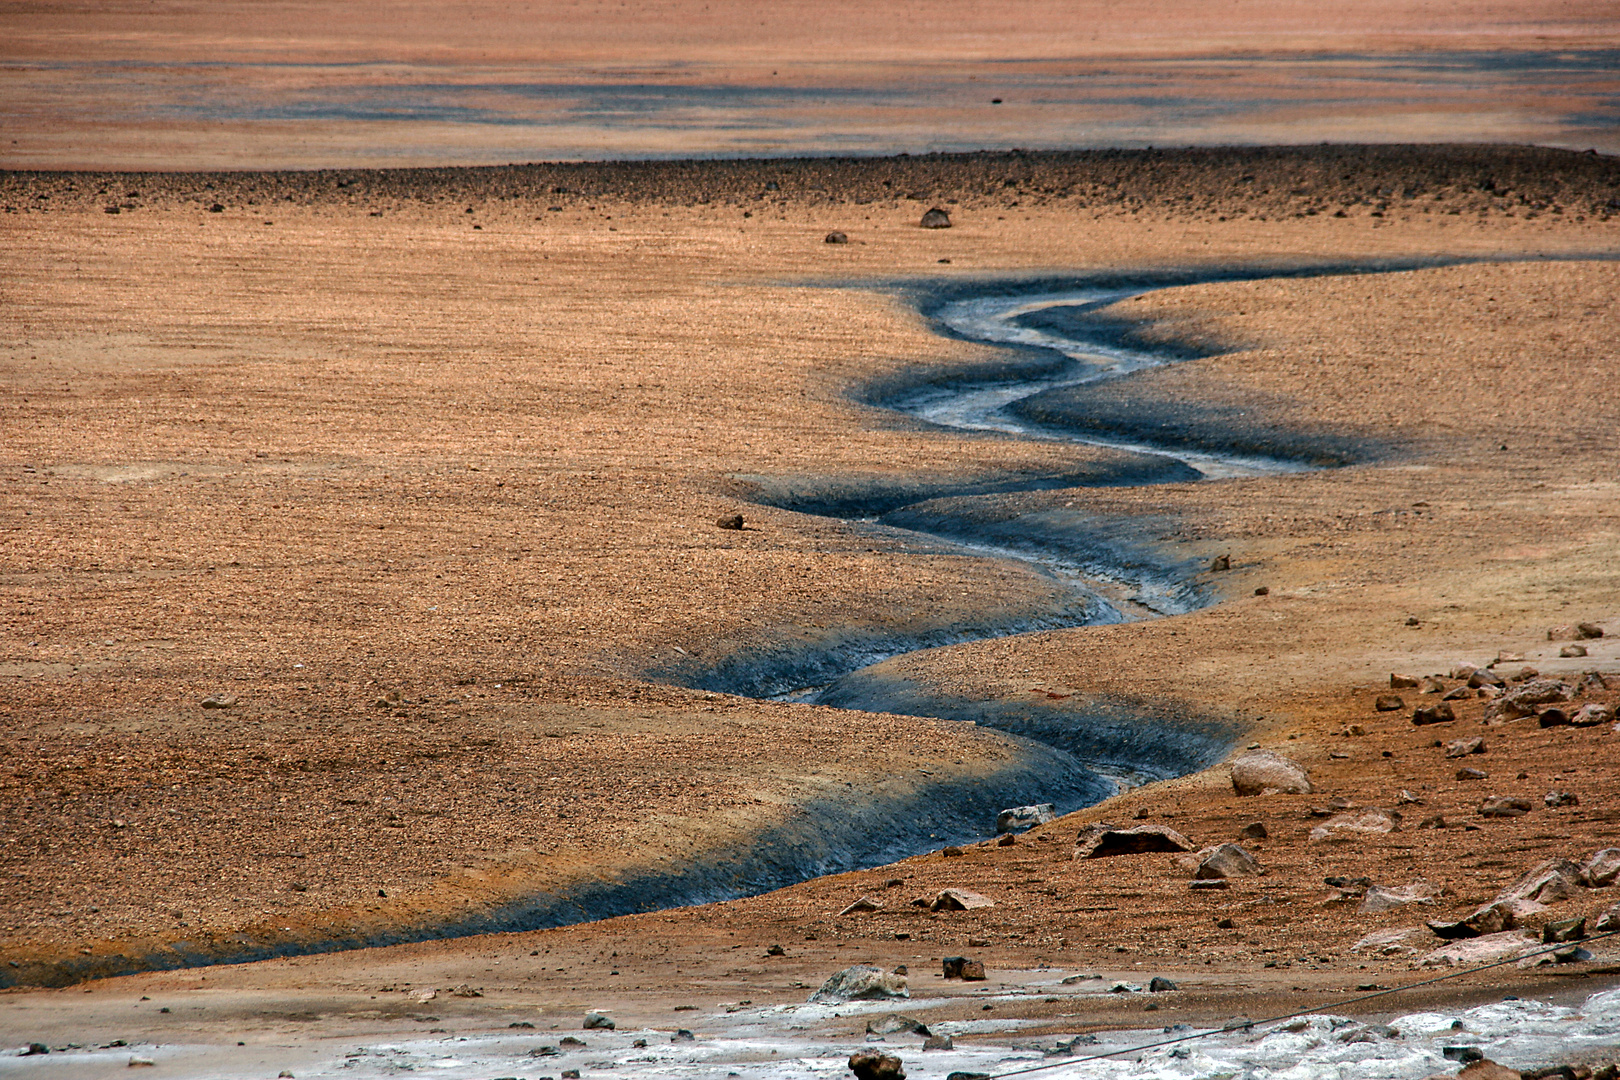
[{"x": 1265, "y": 772}]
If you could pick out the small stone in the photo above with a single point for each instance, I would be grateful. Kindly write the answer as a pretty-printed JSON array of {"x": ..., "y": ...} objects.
[
  {"x": 216, "y": 208},
  {"x": 138, "y": 1062},
  {"x": 218, "y": 701},
  {"x": 1020, "y": 818},
  {"x": 861, "y": 982},
  {"x": 873, "y": 1065},
  {"x": 1389, "y": 703},
  {"x": 595, "y": 1021},
  {"x": 1548, "y": 882},
  {"x": 936, "y": 219},
  {"x": 1504, "y": 807},
  {"x": 1262, "y": 591},
  {"x": 1220, "y": 563},
  {"x": 1211, "y": 883},
  {"x": 570, "y": 1074},
  {"x": 1006, "y": 840},
  {"x": 1265, "y": 772},
  {"x": 1569, "y": 651},
  {"x": 1358, "y": 825},
  {"x": 1402, "y": 682},
  {"x": 1552, "y": 716},
  {"x": 1464, "y": 747},
  {"x": 1609, "y": 920},
  {"x": 973, "y": 971},
  {"x": 1225, "y": 861},
  {"x": 1561, "y": 930},
  {"x": 1225, "y": 924},
  {"x": 730, "y": 521},
  {"x": 1600, "y": 869},
  {"x": 1554, "y": 799},
  {"x": 1379, "y": 899},
  {"x": 683, "y": 1035},
  {"x": 1592, "y": 714},
  {"x": 1471, "y": 773},
  {"x": 938, "y": 1042},
  {"x": 1486, "y": 1069},
  {"x": 1413, "y": 620},
  {"x": 959, "y": 900},
  {"x": 952, "y": 852},
  {"x": 1160, "y": 985},
  {"x": 1254, "y": 830},
  {"x": 1101, "y": 841},
  {"x": 1433, "y": 714},
  {"x": 568, "y": 1042},
  {"x": 1355, "y": 731},
  {"x": 836, "y": 237},
  {"x": 865, "y": 903},
  {"x": 1460, "y": 693},
  {"x": 1485, "y": 677},
  {"x": 776, "y": 950},
  {"x": 896, "y": 1024},
  {"x": 463, "y": 990},
  {"x": 1588, "y": 630}
]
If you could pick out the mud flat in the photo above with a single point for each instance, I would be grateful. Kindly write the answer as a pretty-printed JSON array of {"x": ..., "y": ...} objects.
[{"x": 432, "y": 496}]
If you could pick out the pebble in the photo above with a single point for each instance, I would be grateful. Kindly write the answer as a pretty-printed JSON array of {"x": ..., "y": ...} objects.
[
  {"x": 936, "y": 218},
  {"x": 1464, "y": 747},
  {"x": 1160, "y": 985},
  {"x": 218, "y": 701},
  {"x": 1572, "y": 650},
  {"x": 1472, "y": 774},
  {"x": 1588, "y": 630},
  {"x": 836, "y": 237},
  {"x": 1225, "y": 861},
  {"x": 1555, "y": 799},
  {"x": 1504, "y": 806},
  {"x": 1254, "y": 830},
  {"x": 1433, "y": 714},
  {"x": 1265, "y": 772},
  {"x": 1402, "y": 682},
  {"x": 1389, "y": 703},
  {"x": 959, "y": 900},
  {"x": 595, "y": 1020},
  {"x": 733, "y": 522}
]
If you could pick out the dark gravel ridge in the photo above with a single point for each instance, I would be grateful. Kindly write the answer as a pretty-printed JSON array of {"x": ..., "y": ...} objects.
[{"x": 1262, "y": 182}]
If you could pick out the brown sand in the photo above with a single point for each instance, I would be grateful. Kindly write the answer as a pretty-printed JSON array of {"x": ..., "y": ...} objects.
[{"x": 306, "y": 455}]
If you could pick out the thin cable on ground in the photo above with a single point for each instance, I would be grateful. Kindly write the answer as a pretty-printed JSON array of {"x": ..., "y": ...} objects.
[{"x": 1295, "y": 1015}]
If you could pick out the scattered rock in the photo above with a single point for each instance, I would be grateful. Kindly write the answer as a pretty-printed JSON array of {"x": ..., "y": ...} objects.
[
  {"x": 1461, "y": 693},
  {"x": 1548, "y": 883},
  {"x": 1262, "y": 590},
  {"x": 973, "y": 971},
  {"x": 939, "y": 1042},
  {"x": 1554, "y": 799},
  {"x": 1480, "y": 950},
  {"x": 1211, "y": 883},
  {"x": 1433, "y": 686},
  {"x": 836, "y": 237},
  {"x": 896, "y": 1024},
  {"x": 1369, "y": 822},
  {"x": 1471, "y": 773},
  {"x": 1402, "y": 682},
  {"x": 1561, "y": 930},
  {"x": 959, "y": 900},
  {"x": 865, "y": 903},
  {"x": 568, "y": 1042},
  {"x": 683, "y": 1035},
  {"x": 1609, "y": 920},
  {"x": 465, "y": 991},
  {"x": 1463, "y": 1053},
  {"x": 951, "y": 852},
  {"x": 1504, "y": 806},
  {"x": 1354, "y": 886},
  {"x": 1160, "y": 985},
  {"x": 1225, "y": 924},
  {"x": 1485, "y": 677},
  {"x": 1265, "y": 772},
  {"x": 1025, "y": 817},
  {"x": 1463, "y": 670},
  {"x": 1389, "y": 703},
  {"x": 1522, "y": 702},
  {"x": 1103, "y": 841},
  {"x": 138, "y": 1062},
  {"x": 861, "y": 982},
  {"x": 1552, "y": 717},
  {"x": 1492, "y": 918},
  {"x": 1571, "y": 651},
  {"x": 1380, "y": 899},
  {"x": 1433, "y": 714},
  {"x": 1225, "y": 861},
  {"x": 776, "y": 950},
  {"x": 1593, "y": 714},
  {"x": 1600, "y": 869},
  {"x": 596, "y": 1021},
  {"x": 1463, "y": 747},
  {"x": 1588, "y": 630},
  {"x": 936, "y": 219},
  {"x": 1007, "y": 840},
  {"x": 1388, "y": 944},
  {"x": 1254, "y": 830},
  {"x": 218, "y": 701},
  {"x": 730, "y": 521}
]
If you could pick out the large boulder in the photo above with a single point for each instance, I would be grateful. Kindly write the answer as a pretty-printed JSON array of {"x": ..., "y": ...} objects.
[
  {"x": 1104, "y": 842},
  {"x": 1265, "y": 772},
  {"x": 862, "y": 982},
  {"x": 1019, "y": 818}
]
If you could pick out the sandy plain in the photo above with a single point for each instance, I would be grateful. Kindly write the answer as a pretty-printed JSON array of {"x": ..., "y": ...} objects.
[{"x": 423, "y": 468}]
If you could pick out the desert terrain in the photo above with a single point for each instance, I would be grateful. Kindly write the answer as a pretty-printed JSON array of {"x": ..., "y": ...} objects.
[{"x": 364, "y": 584}]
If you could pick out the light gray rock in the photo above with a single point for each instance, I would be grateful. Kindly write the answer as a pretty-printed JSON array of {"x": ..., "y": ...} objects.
[
  {"x": 1389, "y": 944},
  {"x": 1019, "y": 818},
  {"x": 1265, "y": 772},
  {"x": 959, "y": 900},
  {"x": 1601, "y": 868},
  {"x": 1480, "y": 950},
  {"x": 1548, "y": 883},
  {"x": 896, "y": 1024},
  {"x": 1379, "y": 899},
  {"x": 1463, "y": 747},
  {"x": 1355, "y": 825},
  {"x": 861, "y": 982}
]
